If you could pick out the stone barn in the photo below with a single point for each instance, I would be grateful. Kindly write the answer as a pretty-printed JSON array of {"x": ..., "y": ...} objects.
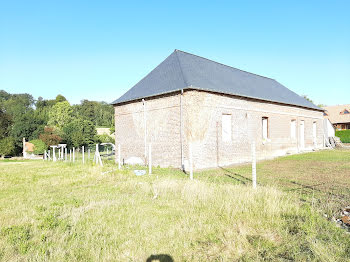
[{"x": 216, "y": 110}]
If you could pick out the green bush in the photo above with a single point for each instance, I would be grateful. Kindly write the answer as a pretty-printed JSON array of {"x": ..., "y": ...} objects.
[
  {"x": 344, "y": 135},
  {"x": 39, "y": 146}
]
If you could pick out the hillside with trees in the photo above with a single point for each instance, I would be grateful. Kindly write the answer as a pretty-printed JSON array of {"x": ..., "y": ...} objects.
[{"x": 50, "y": 121}]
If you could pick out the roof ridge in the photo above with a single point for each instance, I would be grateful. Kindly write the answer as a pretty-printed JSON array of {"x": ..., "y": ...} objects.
[
  {"x": 182, "y": 73},
  {"x": 177, "y": 50}
]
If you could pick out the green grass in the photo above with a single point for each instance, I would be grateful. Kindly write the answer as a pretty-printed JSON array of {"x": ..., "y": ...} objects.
[
  {"x": 64, "y": 212},
  {"x": 344, "y": 135}
]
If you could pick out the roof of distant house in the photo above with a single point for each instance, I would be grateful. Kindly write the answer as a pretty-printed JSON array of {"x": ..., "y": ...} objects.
[
  {"x": 338, "y": 114},
  {"x": 181, "y": 71}
]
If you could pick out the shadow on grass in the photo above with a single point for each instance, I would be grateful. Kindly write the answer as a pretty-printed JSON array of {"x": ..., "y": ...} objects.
[
  {"x": 160, "y": 258},
  {"x": 239, "y": 178}
]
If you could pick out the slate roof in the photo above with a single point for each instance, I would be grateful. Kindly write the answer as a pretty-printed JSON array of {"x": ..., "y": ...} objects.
[{"x": 182, "y": 70}]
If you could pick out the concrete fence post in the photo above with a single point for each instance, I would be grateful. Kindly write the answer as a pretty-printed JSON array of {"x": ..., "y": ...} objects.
[
  {"x": 89, "y": 154},
  {"x": 191, "y": 161},
  {"x": 96, "y": 154},
  {"x": 150, "y": 158},
  {"x": 73, "y": 154},
  {"x": 119, "y": 157},
  {"x": 45, "y": 156},
  {"x": 53, "y": 154},
  {"x": 82, "y": 149},
  {"x": 65, "y": 157},
  {"x": 253, "y": 164}
]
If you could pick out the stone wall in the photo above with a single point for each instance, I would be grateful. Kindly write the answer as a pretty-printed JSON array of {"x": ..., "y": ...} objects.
[{"x": 202, "y": 128}]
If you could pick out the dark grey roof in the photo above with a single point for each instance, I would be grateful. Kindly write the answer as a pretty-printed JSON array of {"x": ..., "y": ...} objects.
[{"x": 182, "y": 70}]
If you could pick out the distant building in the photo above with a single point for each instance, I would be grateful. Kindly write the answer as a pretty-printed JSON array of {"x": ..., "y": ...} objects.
[
  {"x": 216, "y": 110},
  {"x": 339, "y": 116},
  {"x": 104, "y": 131}
]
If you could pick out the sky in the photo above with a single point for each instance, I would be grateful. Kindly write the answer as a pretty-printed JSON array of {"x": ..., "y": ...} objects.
[{"x": 98, "y": 50}]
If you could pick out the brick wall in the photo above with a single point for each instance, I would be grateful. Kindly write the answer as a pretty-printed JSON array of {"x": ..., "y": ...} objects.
[
  {"x": 208, "y": 148},
  {"x": 162, "y": 115},
  {"x": 202, "y": 127}
]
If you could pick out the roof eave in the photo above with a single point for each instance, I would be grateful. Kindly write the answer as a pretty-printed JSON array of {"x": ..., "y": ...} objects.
[{"x": 115, "y": 103}]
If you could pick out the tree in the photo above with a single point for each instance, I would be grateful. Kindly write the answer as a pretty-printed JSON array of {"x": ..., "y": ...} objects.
[
  {"x": 7, "y": 146},
  {"x": 79, "y": 132},
  {"x": 100, "y": 113},
  {"x": 5, "y": 124},
  {"x": 60, "y": 98},
  {"x": 18, "y": 104},
  {"x": 50, "y": 136},
  {"x": 29, "y": 126},
  {"x": 307, "y": 98},
  {"x": 60, "y": 115}
]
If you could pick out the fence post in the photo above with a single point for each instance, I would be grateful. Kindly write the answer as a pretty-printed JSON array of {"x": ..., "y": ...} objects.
[
  {"x": 73, "y": 154},
  {"x": 96, "y": 154},
  {"x": 45, "y": 156},
  {"x": 89, "y": 154},
  {"x": 119, "y": 164},
  {"x": 150, "y": 158},
  {"x": 65, "y": 151},
  {"x": 82, "y": 149},
  {"x": 53, "y": 153},
  {"x": 70, "y": 155},
  {"x": 253, "y": 164},
  {"x": 191, "y": 161}
]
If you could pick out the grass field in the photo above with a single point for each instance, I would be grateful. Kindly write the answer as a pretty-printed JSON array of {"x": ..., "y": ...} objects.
[{"x": 63, "y": 212}]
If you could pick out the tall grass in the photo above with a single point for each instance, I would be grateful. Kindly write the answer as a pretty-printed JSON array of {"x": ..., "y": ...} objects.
[{"x": 64, "y": 212}]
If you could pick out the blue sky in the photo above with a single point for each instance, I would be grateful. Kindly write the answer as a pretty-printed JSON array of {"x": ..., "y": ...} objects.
[{"x": 97, "y": 50}]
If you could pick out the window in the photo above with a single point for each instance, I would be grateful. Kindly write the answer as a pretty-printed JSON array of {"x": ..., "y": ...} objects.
[
  {"x": 265, "y": 127},
  {"x": 293, "y": 128},
  {"x": 344, "y": 112},
  {"x": 226, "y": 128}
]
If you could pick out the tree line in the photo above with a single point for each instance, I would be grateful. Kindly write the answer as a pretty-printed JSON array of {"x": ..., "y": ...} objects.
[{"x": 46, "y": 122}]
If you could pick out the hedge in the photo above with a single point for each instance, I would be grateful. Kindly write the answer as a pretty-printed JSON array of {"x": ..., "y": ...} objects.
[
  {"x": 39, "y": 146},
  {"x": 344, "y": 135}
]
